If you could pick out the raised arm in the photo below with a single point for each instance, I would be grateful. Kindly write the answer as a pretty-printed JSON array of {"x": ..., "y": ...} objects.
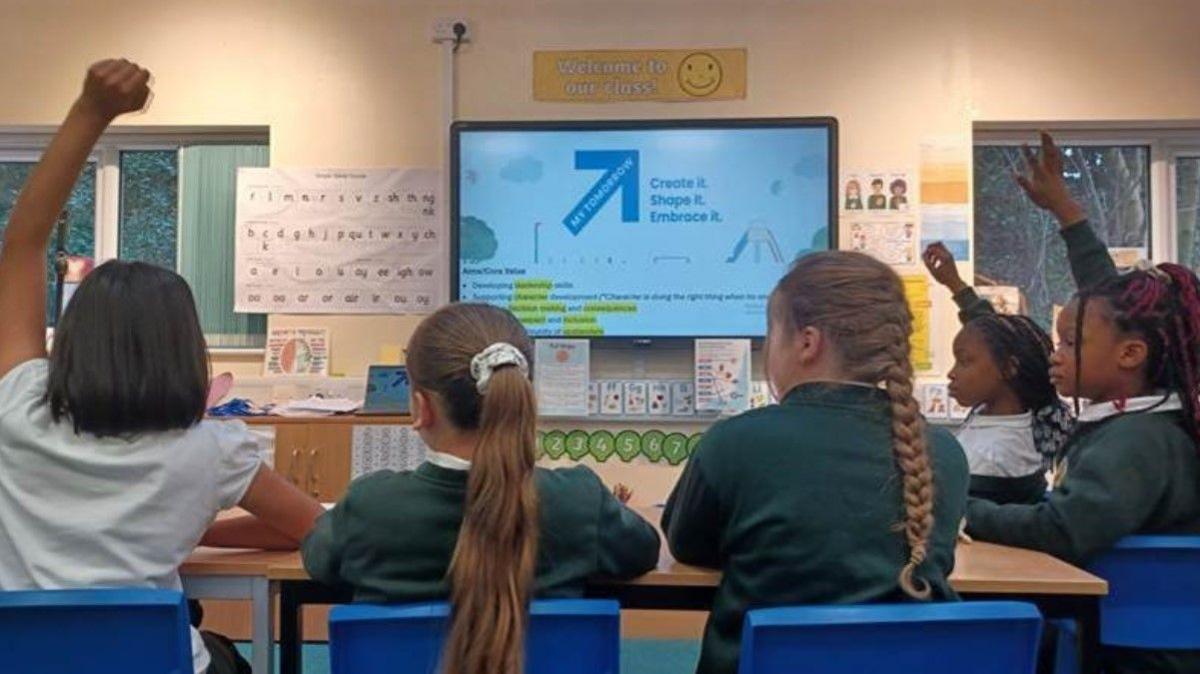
[
  {"x": 111, "y": 88},
  {"x": 940, "y": 263},
  {"x": 1089, "y": 258}
]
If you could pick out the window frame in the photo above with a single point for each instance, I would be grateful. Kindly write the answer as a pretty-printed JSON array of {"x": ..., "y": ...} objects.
[
  {"x": 1166, "y": 143},
  {"x": 27, "y": 143},
  {"x": 1175, "y": 152}
]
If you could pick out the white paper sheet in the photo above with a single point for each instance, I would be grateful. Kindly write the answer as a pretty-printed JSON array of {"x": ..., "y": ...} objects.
[
  {"x": 562, "y": 368},
  {"x": 339, "y": 241},
  {"x": 723, "y": 375}
]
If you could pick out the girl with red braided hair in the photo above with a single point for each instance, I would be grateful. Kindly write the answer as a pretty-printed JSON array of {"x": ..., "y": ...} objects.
[{"x": 1129, "y": 344}]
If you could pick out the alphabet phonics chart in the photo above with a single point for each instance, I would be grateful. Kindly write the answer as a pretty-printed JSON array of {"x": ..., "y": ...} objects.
[{"x": 365, "y": 241}]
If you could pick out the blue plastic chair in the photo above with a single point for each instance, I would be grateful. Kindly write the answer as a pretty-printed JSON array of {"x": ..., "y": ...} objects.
[
  {"x": 130, "y": 631},
  {"x": 1153, "y": 592},
  {"x": 978, "y": 637},
  {"x": 566, "y": 636},
  {"x": 1153, "y": 597}
]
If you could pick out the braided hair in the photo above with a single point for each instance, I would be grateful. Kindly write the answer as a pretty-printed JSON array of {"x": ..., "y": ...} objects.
[
  {"x": 829, "y": 290},
  {"x": 1161, "y": 305},
  {"x": 1021, "y": 351}
]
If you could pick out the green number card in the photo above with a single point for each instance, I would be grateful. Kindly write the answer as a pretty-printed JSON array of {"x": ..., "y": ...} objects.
[
  {"x": 675, "y": 448},
  {"x": 577, "y": 444},
  {"x": 555, "y": 444},
  {"x": 629, "y": 444},
  {"x": 602, "y": 444},
  {"x": 652, "y": 445}
]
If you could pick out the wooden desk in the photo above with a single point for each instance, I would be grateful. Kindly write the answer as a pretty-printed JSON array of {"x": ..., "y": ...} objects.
[
  {"x": 982, "y": 571},
  {"x": 211, "y": 573}
]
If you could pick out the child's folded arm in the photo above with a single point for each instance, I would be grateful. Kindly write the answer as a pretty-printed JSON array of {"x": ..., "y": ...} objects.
[
  {"x": 246, "y": 531},
  {"x": 691, "y": 520},
  {"x": 1107, "y": 496},
  {"x": 628, "y": 544}
]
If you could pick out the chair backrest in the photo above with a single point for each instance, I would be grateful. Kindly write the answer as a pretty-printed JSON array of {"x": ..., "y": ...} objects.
[
  {"x": 134, "y": 631},
  {"x": 935, "y": 638},
  {"x": 575, "y": 636},
  {"x": 1153, "y": 592}
]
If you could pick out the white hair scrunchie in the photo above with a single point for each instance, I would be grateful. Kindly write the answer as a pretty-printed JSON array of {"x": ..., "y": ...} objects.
[{"x": 496, "y": 356}]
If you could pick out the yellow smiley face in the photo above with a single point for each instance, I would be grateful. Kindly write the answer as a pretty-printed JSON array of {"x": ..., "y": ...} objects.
[{"x": 699, "y": 74}]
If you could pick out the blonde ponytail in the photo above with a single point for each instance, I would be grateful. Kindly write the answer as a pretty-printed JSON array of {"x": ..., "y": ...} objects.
[
  {"x": 859, "y": 303},
  {"x": 492, "y": 571}
]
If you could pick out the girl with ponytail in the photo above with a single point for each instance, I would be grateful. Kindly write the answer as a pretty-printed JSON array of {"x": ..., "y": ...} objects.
[
  {"x": 839, "y": 494},
  {"x": 478, "y": 522}
]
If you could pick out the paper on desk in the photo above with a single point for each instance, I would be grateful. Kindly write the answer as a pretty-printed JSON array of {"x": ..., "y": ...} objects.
[
  {"x": 382, "y": 447},
  {"x": 317, "y": 406}
]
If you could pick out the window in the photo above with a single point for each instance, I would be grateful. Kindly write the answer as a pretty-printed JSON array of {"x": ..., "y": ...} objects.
[
  {"x": 1187, "y": 208},
  {"x": 149, "y": 222},
  {"x": 135, "y": 201},
  {"x": 80, "y": 234},
  {"x": 1017, "y": 244}
]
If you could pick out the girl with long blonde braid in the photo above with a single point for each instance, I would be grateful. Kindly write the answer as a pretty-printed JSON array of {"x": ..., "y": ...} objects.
[{"x": 839, "y": 494}]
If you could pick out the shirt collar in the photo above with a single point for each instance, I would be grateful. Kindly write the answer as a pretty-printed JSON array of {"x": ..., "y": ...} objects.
[
  {"x": 447, "y": 461},
  {"x": 1155, "y": 403}
]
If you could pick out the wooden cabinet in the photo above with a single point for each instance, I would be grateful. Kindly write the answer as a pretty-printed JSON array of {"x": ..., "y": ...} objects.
[{"x": 314, "y": 454}]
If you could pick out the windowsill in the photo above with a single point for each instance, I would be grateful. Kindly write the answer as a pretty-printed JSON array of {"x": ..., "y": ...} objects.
[{"x": 237, "y": 352}]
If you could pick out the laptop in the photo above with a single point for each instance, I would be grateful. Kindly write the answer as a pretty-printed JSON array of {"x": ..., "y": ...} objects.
[{"x": 387, "y": 391}]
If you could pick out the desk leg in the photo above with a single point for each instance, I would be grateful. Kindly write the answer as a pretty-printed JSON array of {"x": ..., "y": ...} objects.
[
  {"x": 1089, "y": 635},
  {"x": 291, "y": 631},
  {"x": 262, "y": 593}
]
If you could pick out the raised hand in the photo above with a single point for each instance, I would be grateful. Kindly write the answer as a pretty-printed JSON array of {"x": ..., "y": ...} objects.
[
  {"x": 1045, "y": 185},
  {"x": 114, "y": 87},
  {"x": 940, "y": 263}
]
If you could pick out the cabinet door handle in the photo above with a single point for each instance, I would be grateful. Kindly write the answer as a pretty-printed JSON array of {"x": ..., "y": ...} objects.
[
  {"x": 313, "y": 476},
  {"x": 294, "y": 468}
]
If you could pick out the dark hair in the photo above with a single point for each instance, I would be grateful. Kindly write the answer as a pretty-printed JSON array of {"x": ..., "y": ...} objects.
[
  {"x": 898, "y": 182},
  {"x": 129, "y": 355},
  {"x": 491, "y": 573},
  {"x": 877, "y": 181},
  {"x": 1021, "y": 351},
  {"x": 1162, "y": 305}
]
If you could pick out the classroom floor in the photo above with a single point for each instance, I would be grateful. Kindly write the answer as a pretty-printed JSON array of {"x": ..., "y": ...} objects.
[{"x": 638, "y": 656}]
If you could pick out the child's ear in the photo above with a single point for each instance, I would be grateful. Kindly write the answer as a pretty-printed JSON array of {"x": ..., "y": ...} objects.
[
  {"x": 424, "y": 412},
  {"x": 1011, "y": 368},
  {"x": 1132, "y": 353},
  {"x": 809, "y": 343}
]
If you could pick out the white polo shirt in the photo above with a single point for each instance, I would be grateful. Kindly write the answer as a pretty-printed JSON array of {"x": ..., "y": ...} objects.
[{"x": 1000, "y": 446}]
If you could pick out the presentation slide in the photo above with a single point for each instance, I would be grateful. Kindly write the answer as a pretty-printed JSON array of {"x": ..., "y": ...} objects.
[{"x": 638, "y": 233}]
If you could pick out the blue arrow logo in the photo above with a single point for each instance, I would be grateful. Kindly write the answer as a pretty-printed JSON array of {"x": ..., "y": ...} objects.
[{"x": 620, "y": 173}]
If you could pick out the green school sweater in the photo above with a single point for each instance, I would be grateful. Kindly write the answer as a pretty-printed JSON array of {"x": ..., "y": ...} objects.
[
  {"x": 798, "y": 504},
  {"x": 392, "y": 535},
  {"x": 1127, "y": 474}
]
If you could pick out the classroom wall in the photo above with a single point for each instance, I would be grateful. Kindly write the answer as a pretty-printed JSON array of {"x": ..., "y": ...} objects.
[{"x": 356, "y": 83}]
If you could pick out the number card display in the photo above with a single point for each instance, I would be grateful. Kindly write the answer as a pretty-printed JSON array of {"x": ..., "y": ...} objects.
[{"x": 315, "y": 241}]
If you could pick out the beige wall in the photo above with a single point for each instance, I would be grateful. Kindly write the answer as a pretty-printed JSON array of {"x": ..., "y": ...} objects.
[{"x": 356, "y": 83}]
